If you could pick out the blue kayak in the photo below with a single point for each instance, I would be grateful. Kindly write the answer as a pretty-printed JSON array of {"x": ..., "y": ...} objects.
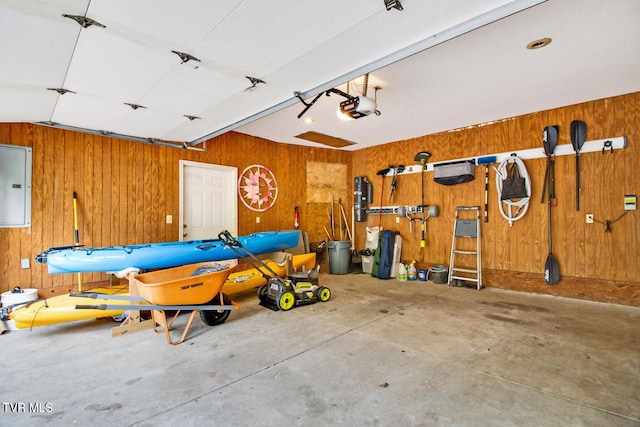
[{"x": 73, "y": 259}]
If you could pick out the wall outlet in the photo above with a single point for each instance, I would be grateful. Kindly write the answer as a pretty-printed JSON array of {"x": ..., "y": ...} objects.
[
  {"x": 169, "y": 219},
  {"x": 257, "y": 220},
  {"x": 24, "y": 263},
  {"x": 589, "y": 218}
]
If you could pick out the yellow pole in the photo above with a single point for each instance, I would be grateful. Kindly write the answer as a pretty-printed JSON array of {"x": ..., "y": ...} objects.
[{"x": 77, "y": 236}]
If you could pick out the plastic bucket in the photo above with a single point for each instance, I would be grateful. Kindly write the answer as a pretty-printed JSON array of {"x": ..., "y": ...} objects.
[
  {"x": 438, "y": 274},
  {"x": 367, "y": 263},
  {"x": 24, "y": 296},
  {"x": 339, "y": 256},
  {"x": 422, "y": 275}
]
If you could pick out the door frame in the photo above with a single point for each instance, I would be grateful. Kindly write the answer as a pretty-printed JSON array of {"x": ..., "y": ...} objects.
[{"x": 229, "y": 169}]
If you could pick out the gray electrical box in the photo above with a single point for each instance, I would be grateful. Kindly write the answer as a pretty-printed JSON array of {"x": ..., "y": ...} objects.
[{"x": 15, "y": 186}]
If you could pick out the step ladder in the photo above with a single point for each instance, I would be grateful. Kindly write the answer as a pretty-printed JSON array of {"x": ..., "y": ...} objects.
[{"x": 466, "y": 228}]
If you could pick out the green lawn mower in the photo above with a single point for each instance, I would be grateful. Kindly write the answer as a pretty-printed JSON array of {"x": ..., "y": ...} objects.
[
  {"x": 281, "y": 293},
  {"x": 298, "y": 289}
]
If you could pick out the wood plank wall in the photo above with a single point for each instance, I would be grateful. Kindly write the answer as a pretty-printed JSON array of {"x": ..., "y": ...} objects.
[
  {"x": 593, "y": 264},
  {"x": 125, "y": 190}
]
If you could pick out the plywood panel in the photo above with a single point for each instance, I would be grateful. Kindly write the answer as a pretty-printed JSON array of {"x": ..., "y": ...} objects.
[{"x": 326, "y": 182}]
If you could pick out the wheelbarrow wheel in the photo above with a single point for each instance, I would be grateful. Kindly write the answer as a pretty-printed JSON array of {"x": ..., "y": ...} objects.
[
  {"x": 286, "y": 301},
  {"x": 324, "y": 294},
  {"x": 216, "y": 317}
]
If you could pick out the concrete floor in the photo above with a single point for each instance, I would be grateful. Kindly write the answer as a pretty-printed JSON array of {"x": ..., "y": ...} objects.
[{"x": 380, "y": 353}]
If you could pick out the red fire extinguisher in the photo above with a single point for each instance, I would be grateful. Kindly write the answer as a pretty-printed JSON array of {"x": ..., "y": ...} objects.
[{"x": 296, "y": 218}]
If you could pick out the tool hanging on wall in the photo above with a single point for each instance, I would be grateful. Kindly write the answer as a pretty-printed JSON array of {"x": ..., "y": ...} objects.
[
  {"x": 407, "y": 211},
  {"x": 362, "y": 196},
  {"x": 486, "y": 161},
  {"x": 403, "y": 213},
  {"x": 382, "y": 173},
  {"x": 296, "y": 218},
  {"x": 549, "y": 142},
  {"x": 394, "y": 183},
  {"x": 432, "y": 210},
  {"x": 422, "y": 158},
  {"x": 578, "y": 137},
  {"x": 76, "y": 233}
]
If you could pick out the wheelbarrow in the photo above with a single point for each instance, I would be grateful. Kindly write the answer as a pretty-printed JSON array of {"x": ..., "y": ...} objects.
[{"x": 194, "y": 287}]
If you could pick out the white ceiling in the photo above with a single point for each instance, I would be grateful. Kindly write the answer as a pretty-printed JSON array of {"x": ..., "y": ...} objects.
[{"x": 467, "y": 64}]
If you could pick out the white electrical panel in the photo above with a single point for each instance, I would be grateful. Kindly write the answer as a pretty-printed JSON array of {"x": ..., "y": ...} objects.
[{"x": 15, "y": 186}]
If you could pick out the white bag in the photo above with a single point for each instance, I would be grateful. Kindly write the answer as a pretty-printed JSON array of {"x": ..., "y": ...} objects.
[{"x": 373, "y": 235}]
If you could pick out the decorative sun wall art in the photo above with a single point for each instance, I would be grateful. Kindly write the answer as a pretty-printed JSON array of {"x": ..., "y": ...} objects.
[{"x": 257, "y": 188}]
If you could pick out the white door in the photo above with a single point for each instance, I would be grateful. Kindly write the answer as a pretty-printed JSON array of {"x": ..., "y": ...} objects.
[{"x": 208, "y": 201}]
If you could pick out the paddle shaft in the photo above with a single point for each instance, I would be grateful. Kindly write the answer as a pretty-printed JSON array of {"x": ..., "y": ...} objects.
[
  {"x": 549, "y": 142},
  {"x": 578, "y": 133},
  {"x": 551, "y": 269},
  {"x": 549, "y": 201},
  {"x": 578, "y": 189},
  {"x": 546, "y": 181},
  {"x": 552, "y": 185}
]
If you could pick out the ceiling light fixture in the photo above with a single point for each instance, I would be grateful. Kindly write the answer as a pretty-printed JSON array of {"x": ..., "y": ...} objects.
[
  {"x": 392, "y": 4},
  {"x": 537, "y": 44},
  {"x": 254, "y": 83},
  {"x": 84, "y": 21},
  {"x": 60, "y": 90},
  {"x": 342, "y": 115}
]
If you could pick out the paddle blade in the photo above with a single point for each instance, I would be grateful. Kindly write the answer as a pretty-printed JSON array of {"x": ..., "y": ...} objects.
[
  {"x": 549, "y": 139},
  {"x": 551, "y": 271},
  {"x": 578, "y": 134}
]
